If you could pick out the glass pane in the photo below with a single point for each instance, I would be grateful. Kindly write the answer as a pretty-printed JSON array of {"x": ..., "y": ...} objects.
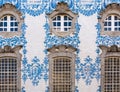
[
  {"x": 5, "y": 18},
  {"x": 5, "y": 29},
  {"x": 58, "y": 18},
  {"x": 54, "y": 23},
  {"x": 115, "y": 18},
  {"x": 1, "y": 29},
  {"x": 105, "y": 29},
  {"x": 65, "y": 17},
  {"x": 16, "y": 24},
  {"x": 16, "y": 29},
  {"x": 116, "y": 29},
  {"x": 109, "y": 29},
  {"x": 11, "y": 29},
  {"x": 5, "y": 24},
  {"x": 109, "y": 18},
  {"x": 115, "y": 24},
  {"x": 109, "y": 23},
  {"x": 65, "y": 23},
  {"x": 11, "y": 24},
  {"x": 11, "y": 18},
  {"x": 65, "y": 29},
  {"x": 1, "y": 24},
  {"x": 70, "y": 23},
  {"x": 105, "y": 23},
  {"x": 58, "y": 24}
]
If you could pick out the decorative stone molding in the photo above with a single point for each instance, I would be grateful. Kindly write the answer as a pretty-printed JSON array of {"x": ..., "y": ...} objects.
[
  {"x": 110, "y": 9},
  {"x": 62, "y": 9},
  {"x": 112, "y": 51},
  {"x": 62, "y": 51},
  {"x": 6, "y": 9},
  {"x": 7, "y": 51}
]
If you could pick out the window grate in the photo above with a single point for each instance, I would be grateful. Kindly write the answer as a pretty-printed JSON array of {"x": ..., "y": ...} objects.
[
  {"x": 8, "y": 74},
  {"x": 61, "y": 76},
  {"x": 112, "y": 74}
]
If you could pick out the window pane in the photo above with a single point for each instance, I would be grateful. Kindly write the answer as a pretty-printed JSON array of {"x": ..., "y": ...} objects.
[
  {"x": 65, "y": 23},
  {"x": 62, "y": 23},
  {"x": 5, "y": 29},
  {"x": 11, "y": 24},
  {"x": 16, "y": 24},
  {"x": 65, "y": 17},
  {"x": 109, "y": 29},
  {"x": 16, "y": 29},
  {"x": 1, "y": 29},
  {"x": 109, "y": 23},
  {"x": 66, "y": 29},
  {"x": 1, "y": 24},
  {"x": 58, "y": 24},
  {"x": 116, "y": 18},
  {"x": 8, "y": 23},
  {"x": 5, "y": 18},
  {"x": 54, "y": 23},
  {"x": 58, "y": 18},
  {"x": 11, "y": 18},
  {"x": 109, "y": 18},
  {"x": 70, "y": 23},
  {"x": 5, "y": 24},
  {"x": 11, "y": 29}
]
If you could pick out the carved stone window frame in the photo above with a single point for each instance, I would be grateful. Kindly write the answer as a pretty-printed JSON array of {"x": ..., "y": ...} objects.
[
  {"x": 107, "y": 52},
  {"x": 62, "y": 9},
  {"x": 9, "y": 9},
  {"x": 62, "y": 51},
  {"x": 9, "y": 52},
  {"x": 109, "y": 10}
]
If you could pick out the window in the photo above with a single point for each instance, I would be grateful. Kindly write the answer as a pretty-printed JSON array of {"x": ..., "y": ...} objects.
[
  {"x": 62, "y": 21},
  {"x": 110, "y": 20},
  {"x": 10, "y": 69},
  {"x": 112, "y": 23},
  {"x": 62, "y": 74},
  {"x": 110, "y": 59},
  {"x": 62, "y": 69},
  {"x": 10, "y": 21}
]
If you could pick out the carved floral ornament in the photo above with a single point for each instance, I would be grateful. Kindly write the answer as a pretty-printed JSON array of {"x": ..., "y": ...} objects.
[{"x": 62, "y": 10}]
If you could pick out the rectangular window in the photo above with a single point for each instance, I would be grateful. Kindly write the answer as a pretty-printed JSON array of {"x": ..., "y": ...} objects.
[
  {"x": 8, "y": 74},
  {"x": 112, "y": 74}
]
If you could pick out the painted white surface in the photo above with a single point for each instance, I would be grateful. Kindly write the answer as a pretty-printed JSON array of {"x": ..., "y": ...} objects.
[{"x": 35, "y": 35}]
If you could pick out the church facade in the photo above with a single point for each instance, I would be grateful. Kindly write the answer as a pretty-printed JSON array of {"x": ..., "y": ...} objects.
[{"x": 59, "y": 45}]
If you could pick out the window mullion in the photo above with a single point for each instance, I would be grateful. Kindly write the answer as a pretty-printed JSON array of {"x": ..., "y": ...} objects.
[
  {"x": 62, "y": 23},
  {"x": 8, "y": 24},
  {"x": 112, "y": 23}
]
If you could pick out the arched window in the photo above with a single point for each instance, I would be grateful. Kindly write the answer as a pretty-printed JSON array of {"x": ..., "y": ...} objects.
[
  {"x": 110, "y": 69},
  {"x": 10, "y": 69},
  {"x": 8, "y": 23},
  {"x": 62, "y": 20},
  {"x": 110, "y": 20},
  {"x": 112, "y": 23},
  {"x": 62, "y": 69},
  {"x": 62, "y": 23}
]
